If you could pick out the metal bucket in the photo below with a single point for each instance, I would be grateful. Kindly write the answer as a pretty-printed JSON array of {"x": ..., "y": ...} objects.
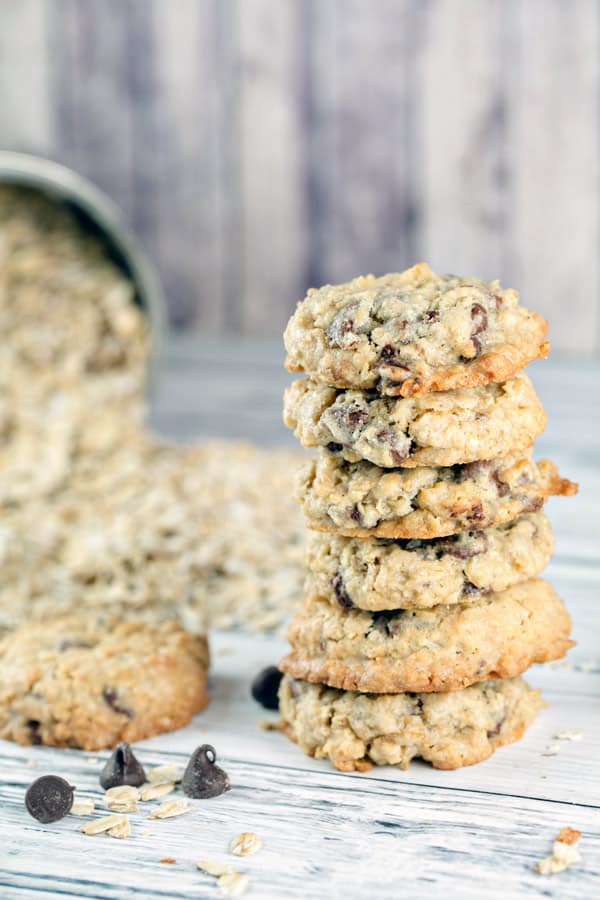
[{"x": 100, "y": 216}]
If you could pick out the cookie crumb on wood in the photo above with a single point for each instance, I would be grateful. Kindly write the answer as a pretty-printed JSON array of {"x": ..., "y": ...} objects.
[{"x": 564, "y": 854}]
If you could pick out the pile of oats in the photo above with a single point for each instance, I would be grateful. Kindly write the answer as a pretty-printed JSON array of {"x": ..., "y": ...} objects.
[{"x": 94, "y": 510}]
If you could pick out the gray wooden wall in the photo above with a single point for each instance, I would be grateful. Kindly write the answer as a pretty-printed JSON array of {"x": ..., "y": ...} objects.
[{"x": 262, "y": 146}]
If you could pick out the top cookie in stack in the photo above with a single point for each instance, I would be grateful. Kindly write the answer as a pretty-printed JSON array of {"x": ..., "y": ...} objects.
[
  {"x": 409, "y": 333},
  {"x": 425, "y": 482}
]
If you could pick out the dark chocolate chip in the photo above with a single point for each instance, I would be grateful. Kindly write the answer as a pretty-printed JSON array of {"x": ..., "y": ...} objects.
[
  {"x": 333, "y": 447},
  {"x": 462, "y": 548},
  {"x": 35, "y": 731},
  {"x": 122, "y": 768},
  {"x": 265, "y": 687},
  {"x": 495, "y": 731},
  {"x": 479, "y": 319},
  {"x": 432, "y": 315},
  {"x": 501, "y": 486},
  {"x": 110, "y": 697},
  {"x": 202, "y": 778},
  {"x": 342, "y": 330},
  {"x": 475, "y": 514},
  {"x": 341, "y": 594},
  {"x": 470, "y": 588},
  {"x": 355, "y": 513},
  {"x": 49, "y": 798},
  {"x": 389, "y": 438}
]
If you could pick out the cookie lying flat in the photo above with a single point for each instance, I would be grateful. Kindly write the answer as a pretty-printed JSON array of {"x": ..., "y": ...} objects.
[
  {"x": 413, "y": 332},
  {"x": 438, "y": 649},
  {"x": 362, "y": 500},
  {"x": 85, "y": 681},
  {"x": 449, "y": 730},
  {"x": 376, "y": 574},
  {"x": 440, "y": 429}
]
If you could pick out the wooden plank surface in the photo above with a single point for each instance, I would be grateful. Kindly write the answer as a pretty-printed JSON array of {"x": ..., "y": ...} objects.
[
  {"x": 470, "y": 833},
  {"x": 260, "y": 147}
]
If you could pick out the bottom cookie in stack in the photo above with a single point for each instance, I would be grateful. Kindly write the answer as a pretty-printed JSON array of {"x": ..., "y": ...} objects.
[
  {"x": 441, "y": 683},
  {"x": 452, "y": 729}
]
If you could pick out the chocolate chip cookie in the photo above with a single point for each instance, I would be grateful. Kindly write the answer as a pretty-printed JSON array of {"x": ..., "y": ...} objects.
[
  {"x": 403, "y": 573},
  {"x": 413, "y": 332},
  {"x": 440, "y": 429},
  {"x": 448, "y": 730},
  {"x": 91, "y": 682},
  {"x": 438, "y": 649},
  {"x": 362, "y": 500}
]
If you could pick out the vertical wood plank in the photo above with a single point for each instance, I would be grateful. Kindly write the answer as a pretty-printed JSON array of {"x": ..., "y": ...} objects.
[
  {"x": 464, "y": 119},
  {"x": 25, "y": 122},
  {"x": 271, "y": 141},
  {"x": 189, "y": 244},
  {"x": 554, "y": 149},
  {"x": 91, "y": 101},
  {"x": 366, "y": 157}
]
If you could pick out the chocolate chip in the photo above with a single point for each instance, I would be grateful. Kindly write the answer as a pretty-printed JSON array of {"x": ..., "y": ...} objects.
[
  {"x": 49, "y": 798},
  {"x": 475, "y": 514},
  {"x": 342, "y": 330},
  {"x": 346, "y": 420},
  {"x": 432, "y": 315},
  {"x": 479, "y": 319},
  {"x": 110, "y": 697},
  {"x": 341, "y": 593},
  {"x": 462, "y": 548},
  {"x": 501, "y": 486},
  {"x": 122, "y": 768},
  {"x": 495, "y": 731},
  {"x": 202, "y": 778},
  {"x": 265, "y": 687},
  {"x": 470, "y": 588},
  {"x": 390, "y": 439},
  {"x": 35, "y": 731},
  {"x": 355, "y": 513},
  {"x": 333, "y": 447}
]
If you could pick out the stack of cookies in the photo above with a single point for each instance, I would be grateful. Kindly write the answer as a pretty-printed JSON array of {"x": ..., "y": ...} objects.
[{"x": 422, "y": 604}]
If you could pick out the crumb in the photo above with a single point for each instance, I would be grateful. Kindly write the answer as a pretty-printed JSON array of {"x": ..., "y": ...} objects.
[
  {"x": 551, "y": 750},
  {"x": 168, "y": 860},
  {"x": 564, "y": 853}
]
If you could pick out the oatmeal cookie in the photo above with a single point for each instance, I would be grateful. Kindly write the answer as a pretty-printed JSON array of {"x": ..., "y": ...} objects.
[
  {"x": 413, "y": 332},
  {"x": 403, "y": 573},
  {"x": 90, "y": 682},
  {"x": 438, "y": 649},
  {"x": 440, "y": 429},
  {"x": 449, "y": 730},
  {"x": 362, "y": 500}
]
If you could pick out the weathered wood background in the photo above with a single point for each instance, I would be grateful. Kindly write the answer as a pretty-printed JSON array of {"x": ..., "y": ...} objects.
[{"x": 262, "y": 146}]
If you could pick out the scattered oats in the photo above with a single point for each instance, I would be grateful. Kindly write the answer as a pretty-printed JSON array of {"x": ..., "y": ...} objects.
[
  {"x": 163, "y": 774},
  {"x": 245, "y": 844},
  {"x": 551, "y": 750},
  {"x": 122, "y": 798},
  {"x": 170, "y": 808},
  {"x": 154, "y": 791},
  {"x": 214, "y": 867},
  {"x": 568, "y": 735},
  {"x": 564, "y": 853},
  {"x": 233, "y": 884},
  {"x": 31, "y": 764},
  {"x": 168, "y": 860},
  {"x": 97, "y": 826},
  {"x": 84, "y": 806},
  {"x": 92, "y": 760},
  {"x": 121, "y": 830}
]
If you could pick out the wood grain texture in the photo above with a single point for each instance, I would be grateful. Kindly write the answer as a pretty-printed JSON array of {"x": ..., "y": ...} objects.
[
  {"x": 469, "y": 833},
  {"x": 259, "y": 147}
]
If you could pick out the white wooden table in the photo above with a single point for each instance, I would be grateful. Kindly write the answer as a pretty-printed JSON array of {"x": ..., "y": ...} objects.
[{"x": 472, "y": 833}]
